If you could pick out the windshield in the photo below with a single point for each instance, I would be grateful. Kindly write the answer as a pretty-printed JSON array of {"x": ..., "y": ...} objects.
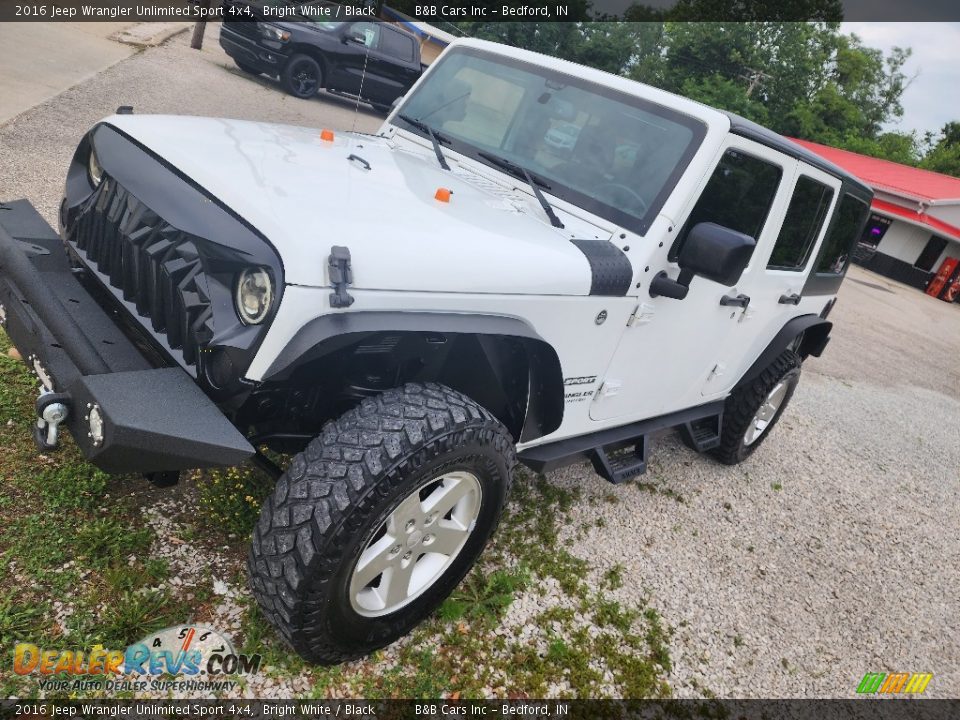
[{"x": 613, "y": 154}]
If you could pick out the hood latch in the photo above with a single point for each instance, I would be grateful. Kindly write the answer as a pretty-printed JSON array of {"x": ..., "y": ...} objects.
[{"x": 341, "y": 276}]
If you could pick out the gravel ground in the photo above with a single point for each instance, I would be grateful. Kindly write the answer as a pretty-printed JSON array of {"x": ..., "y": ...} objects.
[{"x": 832, "y": 552}]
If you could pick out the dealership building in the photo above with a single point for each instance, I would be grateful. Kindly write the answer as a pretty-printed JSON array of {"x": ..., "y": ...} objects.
[{"x": 914, "y": 225}]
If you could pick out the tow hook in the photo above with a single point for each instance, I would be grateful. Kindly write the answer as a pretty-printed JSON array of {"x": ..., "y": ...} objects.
[{"x": 52, "y": 409}]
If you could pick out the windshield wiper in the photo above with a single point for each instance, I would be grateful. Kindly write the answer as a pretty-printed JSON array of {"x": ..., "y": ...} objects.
[
  {"x": 435, "y": 137},
  {"x": 532, "y": 180}
]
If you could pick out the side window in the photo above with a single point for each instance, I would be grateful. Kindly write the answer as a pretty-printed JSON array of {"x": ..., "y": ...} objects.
[
  {"x": 398, "y": 45},
  {"x": 738, "y": 196},
  {"x": 370, "y": 32},
  {"x": 849, "y": 218},
  {"x": 805, "y": 216}
]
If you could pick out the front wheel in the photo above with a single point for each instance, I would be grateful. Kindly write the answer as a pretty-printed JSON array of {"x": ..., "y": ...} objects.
[
  {"x": 751, "y": 411},
  {"x": 302, "y": 76},
  {"x": 379, "y": 519}
]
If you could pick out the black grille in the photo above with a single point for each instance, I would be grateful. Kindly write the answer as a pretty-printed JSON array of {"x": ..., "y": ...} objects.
[
  {"x": 243, "y": 27},
  {"x": 156, "y": 267}
]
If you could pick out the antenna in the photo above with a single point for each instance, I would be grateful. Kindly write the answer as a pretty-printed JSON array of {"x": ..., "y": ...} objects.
[{"x": 363, "y": 76}]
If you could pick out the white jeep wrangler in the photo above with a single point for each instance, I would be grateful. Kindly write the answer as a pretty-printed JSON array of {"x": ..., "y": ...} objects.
[{"x": 532, "y": 260}]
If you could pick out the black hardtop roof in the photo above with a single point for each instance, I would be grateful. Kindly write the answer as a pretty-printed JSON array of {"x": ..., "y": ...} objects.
[{"x": 752, "y": 131}]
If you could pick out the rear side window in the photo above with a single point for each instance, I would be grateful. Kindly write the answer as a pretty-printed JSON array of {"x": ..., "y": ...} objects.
[
  {"x": 397, "y": 45},
  {"x": 738, "y": 196},
  {"x": 805, "y": 216},
  {"x": 847, "y": 226}
]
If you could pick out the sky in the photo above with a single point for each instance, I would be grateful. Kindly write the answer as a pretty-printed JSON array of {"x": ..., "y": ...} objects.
[{"x": 933, "y": 98}]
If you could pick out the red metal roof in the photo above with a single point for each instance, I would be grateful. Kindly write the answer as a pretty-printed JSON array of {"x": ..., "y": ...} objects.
[{"x": 891, "y": 177}]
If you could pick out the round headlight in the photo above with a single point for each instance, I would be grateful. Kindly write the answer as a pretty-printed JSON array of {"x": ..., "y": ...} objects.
[
  {"x": 93, "y": 168},
  {"x": 254, "y": 295}
]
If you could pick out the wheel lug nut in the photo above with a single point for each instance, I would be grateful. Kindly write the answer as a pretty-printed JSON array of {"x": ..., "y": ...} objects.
[
  {"x": 395, "y": 550},
  {"x": 411, "y": 525},
  {"x": 427, "y": 539},
  {"x": 407, "y": 555}
]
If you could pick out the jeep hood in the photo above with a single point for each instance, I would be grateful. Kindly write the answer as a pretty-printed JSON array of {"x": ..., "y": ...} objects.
[{"x": 305, "y": 195}]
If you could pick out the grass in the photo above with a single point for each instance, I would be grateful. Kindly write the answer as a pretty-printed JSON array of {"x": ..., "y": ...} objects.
[
  {"x": 79, "y": 567},
  {"x": 230, "y": 498}
]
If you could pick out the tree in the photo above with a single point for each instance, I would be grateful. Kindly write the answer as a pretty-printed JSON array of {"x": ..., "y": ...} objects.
[{"x": 944, "y": 156}]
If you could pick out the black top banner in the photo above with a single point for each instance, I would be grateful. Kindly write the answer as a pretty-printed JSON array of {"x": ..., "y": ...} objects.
[
  {"x": 295, "y": 709},
  {"x": 446, "y": 11}
]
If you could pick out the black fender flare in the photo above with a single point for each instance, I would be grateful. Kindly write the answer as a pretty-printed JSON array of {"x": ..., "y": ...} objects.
[
  {"x": 328, "y": 333},
  {"x": 816, "y": 334}
]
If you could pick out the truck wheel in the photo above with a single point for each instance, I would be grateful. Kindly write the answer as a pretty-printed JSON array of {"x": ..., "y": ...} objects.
[
  {"x": 302, "y": 77},
  {"x": 379, "y": 519},
  {"x": 752, "y": 410}
]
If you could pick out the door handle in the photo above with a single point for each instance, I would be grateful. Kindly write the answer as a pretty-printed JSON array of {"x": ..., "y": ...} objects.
[
  {"x": 739, "y": 301},
  {"x": 793, "y": 299}
]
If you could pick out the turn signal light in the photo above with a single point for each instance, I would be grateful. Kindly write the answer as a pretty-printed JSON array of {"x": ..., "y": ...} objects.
[
  {"x": 326, "y": 135},
  {"x": 443, "y": 195}
]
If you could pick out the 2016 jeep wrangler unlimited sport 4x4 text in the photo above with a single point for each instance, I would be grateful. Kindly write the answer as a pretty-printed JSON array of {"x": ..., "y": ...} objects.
[{"x": 413, "y": 312}]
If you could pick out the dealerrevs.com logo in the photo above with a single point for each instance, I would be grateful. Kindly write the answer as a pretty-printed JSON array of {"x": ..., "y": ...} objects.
[
  {"x": 894, "y": 683},
  {"x": 196, "y": 657}
]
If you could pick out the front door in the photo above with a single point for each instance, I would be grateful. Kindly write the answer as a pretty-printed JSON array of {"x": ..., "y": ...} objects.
[
  {"x": 682, "y": 353},
  {"x": 350, "y": 59}
]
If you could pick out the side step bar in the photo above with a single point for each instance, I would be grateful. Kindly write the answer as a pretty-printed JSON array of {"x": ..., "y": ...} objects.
[
  {"x": 619, "y": 454},
  {"x": 618, "y": 466},
  {"x": 703, "y": 434}
]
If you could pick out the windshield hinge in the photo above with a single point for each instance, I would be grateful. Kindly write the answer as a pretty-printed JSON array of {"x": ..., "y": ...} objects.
[
  {"x": 642, "y": 314},
  {"x": 341, "y": 276}
]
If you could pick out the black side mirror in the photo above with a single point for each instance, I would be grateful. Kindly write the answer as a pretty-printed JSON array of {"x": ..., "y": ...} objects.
[
  {"x": 711, "y": 251},
  {"x": 716, "y": 253}
]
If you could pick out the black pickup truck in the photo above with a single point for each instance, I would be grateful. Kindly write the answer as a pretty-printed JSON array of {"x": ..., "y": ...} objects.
[{"x": 365, "y": 58}]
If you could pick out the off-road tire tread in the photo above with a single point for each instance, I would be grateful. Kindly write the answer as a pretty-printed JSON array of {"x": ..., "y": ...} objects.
[
  {"x": 356, "y": 461},
  {"x": 742, "y": 405}
]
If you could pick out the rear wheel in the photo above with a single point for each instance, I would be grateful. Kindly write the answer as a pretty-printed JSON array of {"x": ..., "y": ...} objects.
[
  {"x": 751, "y": 411},
  {"x": 379, "y": 519},
  {"x": 302, "y": 77}
]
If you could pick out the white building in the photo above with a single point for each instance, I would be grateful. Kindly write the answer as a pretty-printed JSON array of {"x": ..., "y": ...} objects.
[{"x": 915, "y": 223}]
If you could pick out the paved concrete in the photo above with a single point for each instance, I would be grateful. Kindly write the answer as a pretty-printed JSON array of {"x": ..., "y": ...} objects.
[{"x": 40, "y": 60}]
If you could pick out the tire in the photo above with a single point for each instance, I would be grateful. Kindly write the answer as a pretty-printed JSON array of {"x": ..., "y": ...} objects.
[
  {"x": 249, "y": 69},
  {"x": 302, "y": 76},
  {"x": 348, "y": 491},
  {"x": 741, "y": 434}
]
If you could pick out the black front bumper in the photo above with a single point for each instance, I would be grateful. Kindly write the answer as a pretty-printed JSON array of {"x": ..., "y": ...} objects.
[
  {"x": 154, "y": 418},
  {"x": 250, "y": 52}
]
